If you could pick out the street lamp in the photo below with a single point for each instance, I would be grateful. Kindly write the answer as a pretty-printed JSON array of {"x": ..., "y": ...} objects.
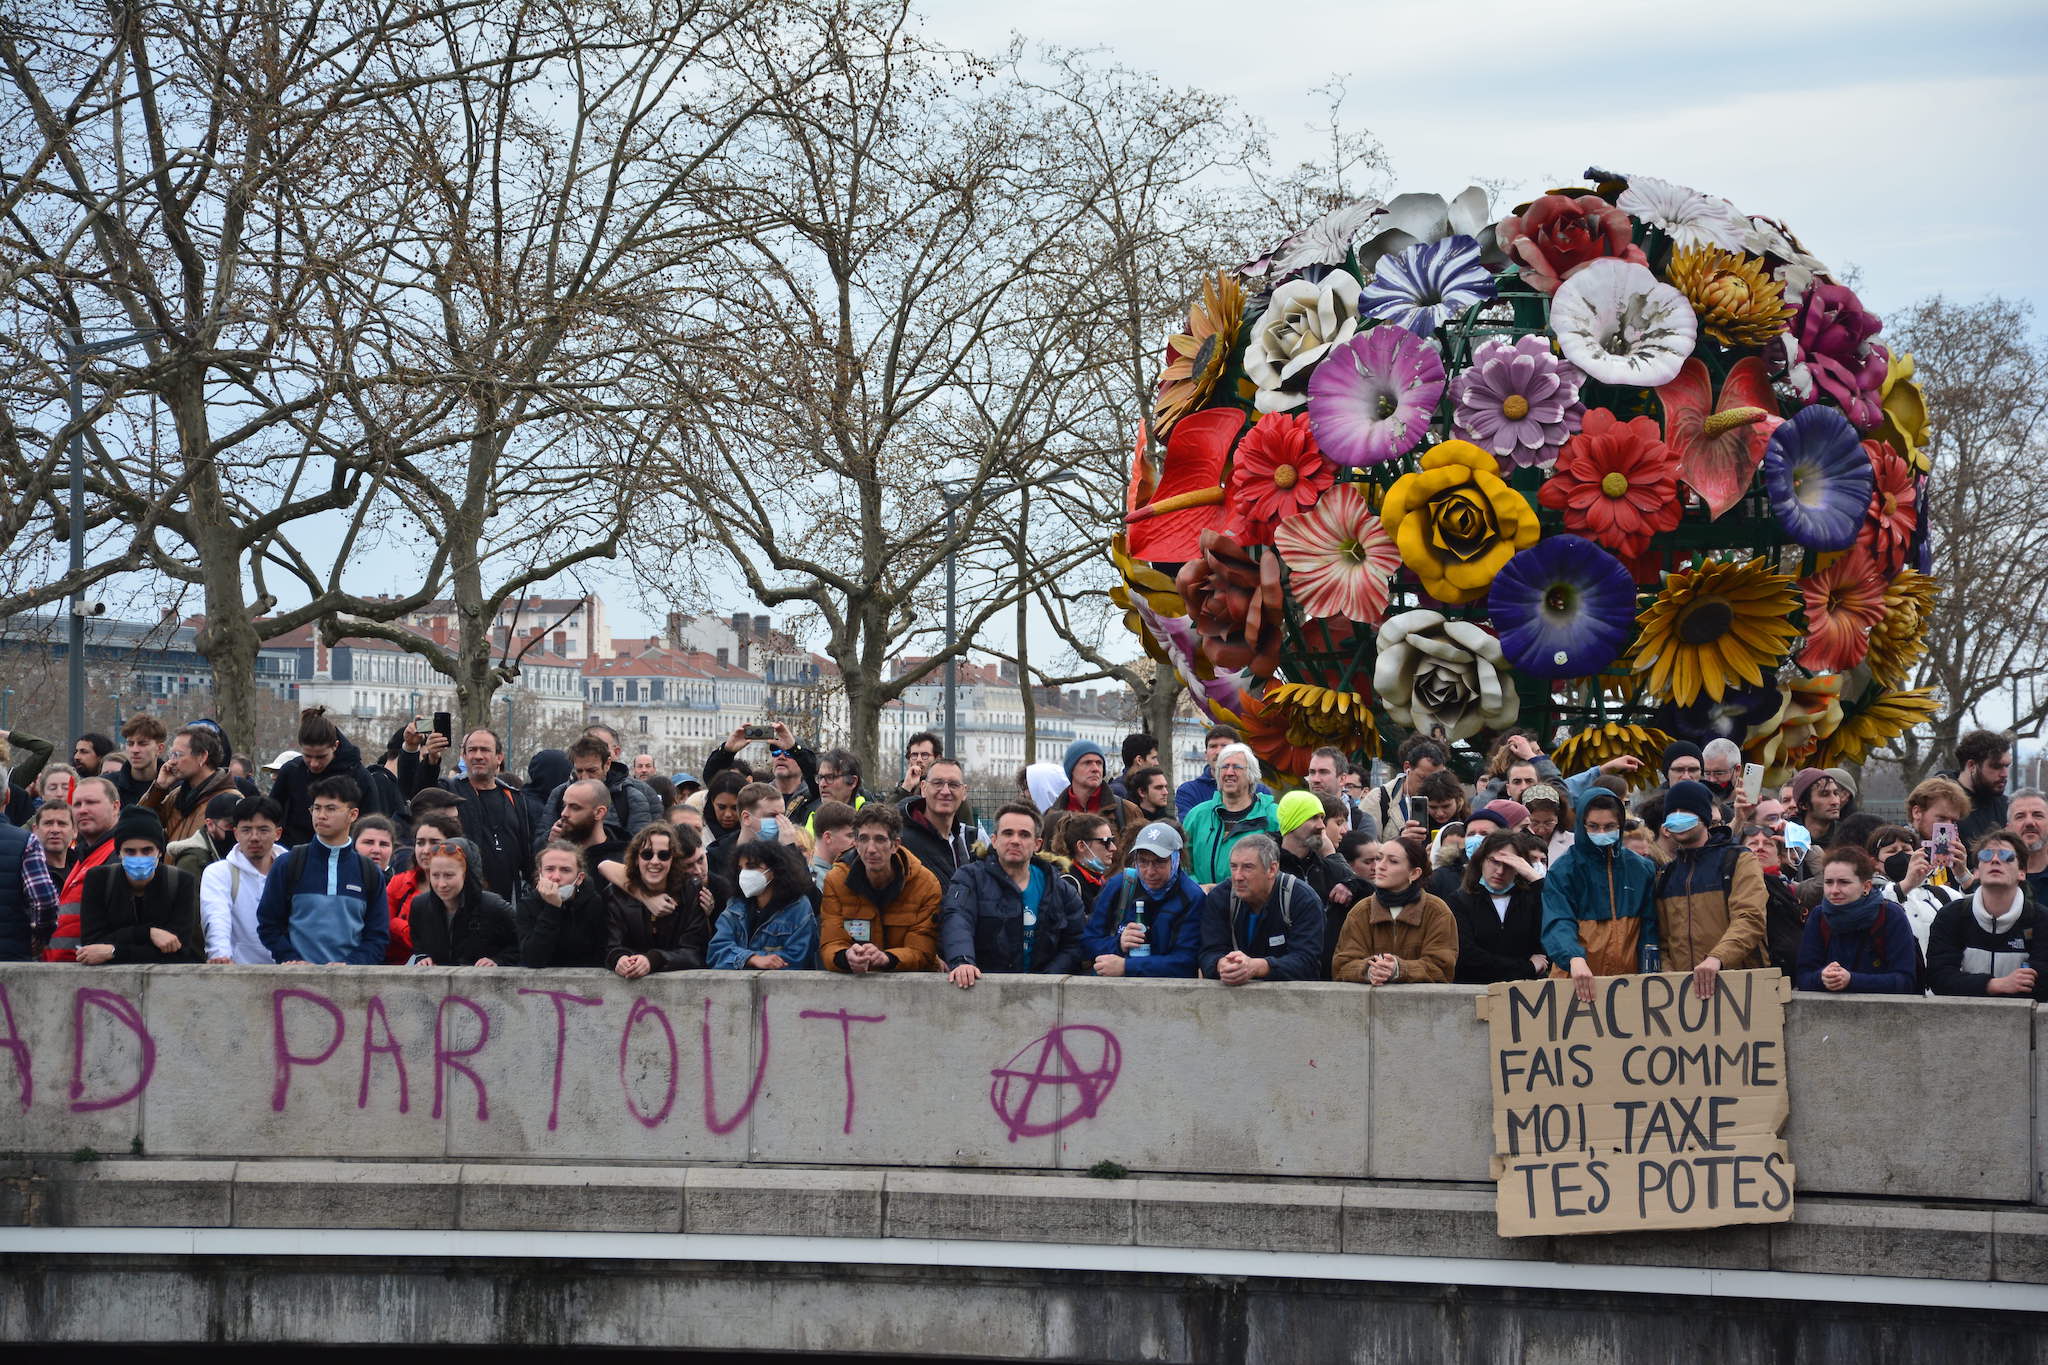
[
  {"x": 953, "y": 502},
  {"x": 75, "y": 350}
]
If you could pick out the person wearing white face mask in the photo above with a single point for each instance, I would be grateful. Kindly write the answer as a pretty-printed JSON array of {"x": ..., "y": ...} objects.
[
  {"x": 1711, "y": 896},
  {"x": 769, "y": 925}
]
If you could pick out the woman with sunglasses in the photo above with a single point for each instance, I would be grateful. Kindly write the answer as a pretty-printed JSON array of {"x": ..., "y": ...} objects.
[
  {"x": 657, "y": 916},
  {"x": 1994, "y": 941},
  {"x": 1084, "y": 848},
  {"x": 1857, "y": 941}
]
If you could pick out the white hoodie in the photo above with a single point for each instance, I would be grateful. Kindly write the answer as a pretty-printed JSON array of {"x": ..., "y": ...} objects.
[{"x": 229, "y": 892}]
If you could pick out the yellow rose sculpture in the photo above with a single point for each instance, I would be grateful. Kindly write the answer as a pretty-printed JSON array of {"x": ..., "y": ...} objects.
[{"x": 1457, "y": 522}]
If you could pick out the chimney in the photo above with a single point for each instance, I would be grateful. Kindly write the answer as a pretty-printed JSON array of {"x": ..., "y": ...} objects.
[
  {"x": 740, "y": 624},
  {"x": 760, "y": 625}
]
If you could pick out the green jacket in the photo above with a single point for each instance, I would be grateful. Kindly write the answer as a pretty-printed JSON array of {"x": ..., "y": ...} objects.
[{"x": 1210, "y": 832}]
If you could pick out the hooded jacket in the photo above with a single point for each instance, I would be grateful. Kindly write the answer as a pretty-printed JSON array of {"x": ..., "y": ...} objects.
[
  {"x": 480, "y": 926},
  {"x": 293, "y": 790},
  {"x": 633, "y": 805},
  {"x": 1210, "y": 831},
  {"x": 982, "y": 922},
  {"x": 229, "y": 893},
  {"x": 1173, "y": 925},
  {"x": 902, "y": 918},
  {"x": 1594, "y": 883},
  {"x": 545, "y": 771},
  {"x": 1710, "y": 903}
]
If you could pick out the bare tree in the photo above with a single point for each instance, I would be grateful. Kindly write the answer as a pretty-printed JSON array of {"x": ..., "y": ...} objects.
[
  {"x": 927, "y": 264},
  {"x": 1984, "y": 369}
]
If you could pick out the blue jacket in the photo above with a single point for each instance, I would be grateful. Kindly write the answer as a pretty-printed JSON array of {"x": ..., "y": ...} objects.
[
  {"x": 324, "y": 904},
  {"x": 1174, "y": 932},
  {"x": 982, "y": 921},
  {"x": 1590, "y": 882},
  {"x": 791, "y": 932},
  {"x": 1209, "y": 834},
  {"x": 1883, "y": 959},
  {"x": 1289, "y": 936}
]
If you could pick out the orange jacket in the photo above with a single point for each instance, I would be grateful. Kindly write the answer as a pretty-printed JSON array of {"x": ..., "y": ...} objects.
[{"x": 902, "y": 918}]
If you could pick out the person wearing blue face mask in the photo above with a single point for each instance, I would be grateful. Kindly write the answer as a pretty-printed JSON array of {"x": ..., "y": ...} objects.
[
  {"x": 1599, "y": 918},
  {"x": 136, "y": 909},
  {"x": 1711, "y": 898},
  {"x": 1499, "y": 909}
]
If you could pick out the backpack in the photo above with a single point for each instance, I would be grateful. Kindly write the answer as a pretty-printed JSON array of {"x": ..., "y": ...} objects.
[
  {"x": 1784, "y": 924},
  {"x": 1877, "y": 962}
]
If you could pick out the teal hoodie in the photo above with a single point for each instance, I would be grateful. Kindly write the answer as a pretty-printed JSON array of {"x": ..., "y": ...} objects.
[
  {"x": 1590, "y": 882},
  {"x": 1210, "y": 833}
]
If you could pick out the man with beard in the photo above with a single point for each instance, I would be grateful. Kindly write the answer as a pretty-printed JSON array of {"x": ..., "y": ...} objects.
[
  {"x": 1985, "y": 757},
  {"x": 2026, "y": 814},
  {"x": 586, "y": 805}
]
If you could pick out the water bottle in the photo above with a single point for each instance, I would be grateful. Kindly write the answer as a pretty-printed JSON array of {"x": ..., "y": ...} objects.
[
  {"x": 1650, "y": 958},
  {"x": 1143, "y": 914}
]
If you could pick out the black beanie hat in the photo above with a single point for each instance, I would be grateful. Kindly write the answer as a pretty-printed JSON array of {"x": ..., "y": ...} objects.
[
  {"x": 1690, "y": 796},
  {"x": 1677, "y": 749},
  {"x": 137, "y": 823}
]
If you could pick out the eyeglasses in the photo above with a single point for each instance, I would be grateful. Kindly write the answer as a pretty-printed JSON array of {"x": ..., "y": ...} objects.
[
  {"x": 824, "y": 776},
  {"x": 1996, "y": 855},
  {"x": 655, "y": 855},
  {"x": 941, "y": 784}
]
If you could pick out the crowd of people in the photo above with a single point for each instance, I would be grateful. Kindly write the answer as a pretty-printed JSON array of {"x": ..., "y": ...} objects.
[{"x": 167, "y": 850}]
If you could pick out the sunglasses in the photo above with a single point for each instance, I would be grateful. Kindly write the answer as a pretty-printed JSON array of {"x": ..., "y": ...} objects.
[
  {"x": 1996, "y": 855},
  {"x": 652, "y": 855}
]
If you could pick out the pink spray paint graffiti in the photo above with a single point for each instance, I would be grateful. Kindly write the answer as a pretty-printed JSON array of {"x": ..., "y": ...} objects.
[
  {"x": 643, "y": 1007},
  {"x": 846, "y": 1023},
  {"x": 1074, "y": 1067},
  {"x": 126, "y": 1012},
  {"x": 562, "y": 999}
]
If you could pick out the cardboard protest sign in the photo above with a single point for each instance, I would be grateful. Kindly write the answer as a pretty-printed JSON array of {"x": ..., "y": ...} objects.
[{"x": 1647, "y": 1107}]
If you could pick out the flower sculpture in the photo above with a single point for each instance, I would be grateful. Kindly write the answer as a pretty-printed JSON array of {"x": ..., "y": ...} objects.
[
  {"x": 1234, "y": 601},
  {"x": 1713, "y": 626},
  {"x": 1737, "y": 304},
  {"x": 1599, "y": 744},
  {"x": 1340, "y": 559},
  {"x": 1426, "y": 286},
  {"x": 1518, "y": 400},
  {"x": 1819, "y": 478},
  {"x": 1199, "y": 358},
  {"x": 1563, "y": 607},
  {"x": 1877, "y": 723},
  {"x": 1560, "y": 233},
  {"x": 1844, "y": 602},
  {"x": 1833, "y": 332},
  {"x": 1621, "y": 462},
  {"x": 1288, "y": 722},
  {"x": 1457, "y": 522},
  {"x": 1300, "y": 325},
  {"x": 1617, "y": 322},
  {"x": 1719, "y": 443},
  {"x": 1371, "y": 399},
  {"x": 1615, "y": 482},
  {"x": 1279, "y": 472},
  {"x": 1894, "y": 513},
  {"x": 1435, "y": 672}
]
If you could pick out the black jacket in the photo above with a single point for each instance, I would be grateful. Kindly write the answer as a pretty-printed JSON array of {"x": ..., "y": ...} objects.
[
  {"x": 982, "y": 921},
  {"x": 1491, "y": 948},
  {"x": 633, "y": 805},
  {"x": 572, "y": 934},
  {"x": 1287, "y": 931},
  {"x": 293, "y": 791},
  {"x": 673, "y": 943},
  {"x": 501, "y": 833},
  {"x": 940, "y": 856},
  {"x": 480, "y": 927},
  {"x": 113, "y": 912},
  {"x": 1963, "y": 956},
  {"x": 798, "y": 806}
]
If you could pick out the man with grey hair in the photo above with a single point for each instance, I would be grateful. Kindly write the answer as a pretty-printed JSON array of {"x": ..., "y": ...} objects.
[
  {"x": 1720, "y": 765},
  {"x": 2026, "y": 814},
  {"x": 1262, "y": 924}
]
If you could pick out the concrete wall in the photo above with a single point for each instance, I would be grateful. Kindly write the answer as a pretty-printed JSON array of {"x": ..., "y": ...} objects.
[{"x": 1907, "y": 1098}]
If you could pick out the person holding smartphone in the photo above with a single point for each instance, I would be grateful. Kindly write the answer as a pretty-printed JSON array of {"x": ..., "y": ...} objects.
[{"x": 1939, "y": 870}]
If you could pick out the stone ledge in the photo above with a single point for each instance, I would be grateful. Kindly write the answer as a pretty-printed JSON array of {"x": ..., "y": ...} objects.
[
  {"x": 1829, "y": 1237},
  {"x": 1271, "y": 1217},
  {"x": 783, "y": 1202},
  {"x": 346, "y": 1194},
  {"x": 572, "y": 1198},
  {"x": 1010, "y": 1208}
]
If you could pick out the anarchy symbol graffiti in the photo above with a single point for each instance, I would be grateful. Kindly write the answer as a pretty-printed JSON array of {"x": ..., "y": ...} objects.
[{"x": 1056, "y": 1081}]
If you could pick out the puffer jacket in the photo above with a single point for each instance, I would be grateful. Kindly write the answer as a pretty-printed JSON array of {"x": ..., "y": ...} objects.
[
  {"x": 1594, "y": 883},
  {"x": 1210, "y": 831},
  {"x": 983, "y": 922},
  {"x": 1173, "y": 925},
  {"x": 902, "y": 918},
  {"x": 1710, "y": 903}
]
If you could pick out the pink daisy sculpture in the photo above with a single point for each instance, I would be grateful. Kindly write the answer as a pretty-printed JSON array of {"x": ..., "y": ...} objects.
[{"x": 1519, "y": 400}]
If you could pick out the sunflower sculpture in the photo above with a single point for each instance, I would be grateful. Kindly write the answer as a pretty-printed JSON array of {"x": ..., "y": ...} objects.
[{"x": 1620, "y": 464}]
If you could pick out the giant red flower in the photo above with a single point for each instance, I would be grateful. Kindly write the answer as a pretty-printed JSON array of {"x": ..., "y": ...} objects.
[
  {"x": 1560, "y": 233},
  {"x": 1235, "y": 602},
  {"x": 1843, "y": 602},
  {"x": 1887, "y": 533},
  {"x": 1279, "y": 472},
  {"x": 1616, "y": 483}
]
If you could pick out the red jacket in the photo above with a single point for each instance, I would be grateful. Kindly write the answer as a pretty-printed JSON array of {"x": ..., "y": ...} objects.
[{"x": 398, "y": 893}]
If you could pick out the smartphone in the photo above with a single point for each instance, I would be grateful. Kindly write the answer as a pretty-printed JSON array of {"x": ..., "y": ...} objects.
[
  {"x": 444, "y": 726},
  {"x": 1945, "y": 837},
  {"x": 1413, "y": 809},
  {"x": 1752, "y": 783},
  {"x": 760, "y": 732}
]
